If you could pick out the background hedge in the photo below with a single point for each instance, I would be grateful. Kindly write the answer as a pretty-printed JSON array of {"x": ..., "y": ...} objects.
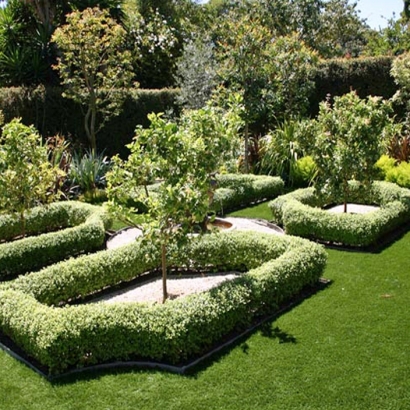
[
  {"x": 52, "y": 114},
  {"x": 365, "y": 75}
]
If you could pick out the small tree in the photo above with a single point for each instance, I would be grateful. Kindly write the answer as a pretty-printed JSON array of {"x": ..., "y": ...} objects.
[
  {"x": 27, "y": 178},
  {"x": 94, "y": 67},
  {"x": 183, "y": 157},
  {"x": 196, "y": 73},
  {"x": 349, "y": 141}
]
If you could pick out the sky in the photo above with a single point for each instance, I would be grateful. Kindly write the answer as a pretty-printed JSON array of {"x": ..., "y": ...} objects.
[{"x": 376, "y": 12}]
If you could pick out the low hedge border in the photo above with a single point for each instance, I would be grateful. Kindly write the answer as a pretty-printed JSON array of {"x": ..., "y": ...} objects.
[
  {"x": 239, "y": 190},
  {"x": 233, "y": 191},
  {"x": 301, "y": 214},
  {"x": 77, "y": 336},
  {"x": 84, "y": 231}
]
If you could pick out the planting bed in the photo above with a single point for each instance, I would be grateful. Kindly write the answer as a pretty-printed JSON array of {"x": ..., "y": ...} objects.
[
  {"x": 36, "y": 314},
  {"x": 302, "y": 213},
  {"x": 77, "y": 228}
]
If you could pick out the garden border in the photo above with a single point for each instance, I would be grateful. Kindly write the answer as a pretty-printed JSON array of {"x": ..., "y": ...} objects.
[
  {"x": 62, "y": 338},
  {"x": 8, "y": 346},
  {"x": 84, "y": 227},
  {"x": 301, "y": 214}
]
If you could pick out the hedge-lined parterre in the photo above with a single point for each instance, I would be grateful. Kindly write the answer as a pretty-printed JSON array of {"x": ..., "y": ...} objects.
[
  {"x": 233, "y": 191},
  {"x": 78, "y": 227},
  {"x": 301, "y": 213},
  {"x": 74, "y": 336},
  {"x": 239, "y": 190}
]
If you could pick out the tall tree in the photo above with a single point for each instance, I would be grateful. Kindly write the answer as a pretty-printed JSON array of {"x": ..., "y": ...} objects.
[{"x": 94, "y": 67}]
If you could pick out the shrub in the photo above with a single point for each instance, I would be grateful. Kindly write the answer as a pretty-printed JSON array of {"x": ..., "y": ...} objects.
[
  {"x": 300, "y": 213},
  {"x": 384, "y": 165},
  {"x": 367, "y": 76},
  {"x": 52, "y": 114},
  {"x": 303, "y": 171},
  {"x": 84, "y": 232},
  {"x": 74, "y": 336},
  {"x": 238, "y": 190},
  {"x": 399, "y": 174}
]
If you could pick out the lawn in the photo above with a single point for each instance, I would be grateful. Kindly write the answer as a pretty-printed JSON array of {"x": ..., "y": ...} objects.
[{"x": 347, "y": 347}]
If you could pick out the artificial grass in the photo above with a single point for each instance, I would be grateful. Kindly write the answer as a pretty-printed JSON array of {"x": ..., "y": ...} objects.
[
  {"x": 344, "y": 348},
  {"x": 260, "y": 211}
]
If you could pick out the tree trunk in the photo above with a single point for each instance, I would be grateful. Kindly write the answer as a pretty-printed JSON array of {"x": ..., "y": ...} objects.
[
  {"x": 345, "y": 207},
  {"x": 89, "y": 121},
  {"x": 164, "y": 273},
  {"x": 23, "y": 224},
  {"x": 246, "y": 159}
]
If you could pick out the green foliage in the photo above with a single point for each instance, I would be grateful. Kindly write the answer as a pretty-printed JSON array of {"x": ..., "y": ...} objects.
[
  {"x": 391, "y": 40},
  {"x": 87, "y": 173},
  {"x": 277, "y": 267},
  {"x": 303, "y": 171},
  {"x": 301, "y": 214},
  {"x": 283, "y": 146},
  {"x": 154, "y": 44},
  {"x": 94, "y": 68},
  {"x": 400, "y": 175},
  {"x": 274, "y": 75},
  {"x": 84, "y": 231},
  {"x": 349, "y": 141},
  {"x": 25, "y": 51},
  {"x": 183, "y": 156},
  {"x": 27, "y": 178},
  {"x": 52, "y": 114},
  {"x": 196, "y": 73},
  {"x": 367, "y": 76},
  {"x": 384, "y": 164},
  {"x": 238, "y": 190}
]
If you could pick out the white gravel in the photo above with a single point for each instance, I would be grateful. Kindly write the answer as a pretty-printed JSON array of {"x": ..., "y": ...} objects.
[
  {"x": 354, "y": 209},
  {"x": 151, "y": 291}
]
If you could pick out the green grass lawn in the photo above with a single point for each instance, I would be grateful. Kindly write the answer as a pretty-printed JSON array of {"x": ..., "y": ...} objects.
[{"x": 347, "y": 347}]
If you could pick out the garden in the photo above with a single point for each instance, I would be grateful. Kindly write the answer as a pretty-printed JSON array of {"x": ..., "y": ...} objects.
[{"x": 172, "y": 122}]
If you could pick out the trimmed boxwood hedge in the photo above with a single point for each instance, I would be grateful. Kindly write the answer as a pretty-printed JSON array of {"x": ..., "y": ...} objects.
[
  {"x": 277, "y": 268},
  {"x": 301, "y": 214},
  {"x": 238, "y": 190},
  {"x": 83, "y": 230},
  {"x": 233, "y": 191}
]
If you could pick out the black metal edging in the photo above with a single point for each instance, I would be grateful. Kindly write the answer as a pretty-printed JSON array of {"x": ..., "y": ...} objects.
[{"x": 163, "y": 366}]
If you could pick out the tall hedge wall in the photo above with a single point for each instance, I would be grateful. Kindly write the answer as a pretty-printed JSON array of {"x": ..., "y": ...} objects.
[
  {"x": 367, "y": 76},
  {"x": 51, "y": 113}
]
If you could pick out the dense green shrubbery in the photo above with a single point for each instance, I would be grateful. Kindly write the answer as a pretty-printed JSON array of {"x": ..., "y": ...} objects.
[
  {"x": 84, "y": 231},
  {"x": 233, "y": 191},
  {"x": 367, "y": 76},
  {"x": 237, "y": 190},
  {"x": 52, "y": 114},
  {"x": 74, "y": 336},
  {"x": 301, "y": 214},
  {"x": 392, "y": 171}
]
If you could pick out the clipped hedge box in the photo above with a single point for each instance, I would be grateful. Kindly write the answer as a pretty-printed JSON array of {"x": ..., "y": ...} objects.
[
  {"x": 233, "y": 191},
  {"x": 301, "y": 214},
  {"x": 238, "y": 190},
  {"x": 75, "y": 336},
  {"x": 83, "y": 230}
]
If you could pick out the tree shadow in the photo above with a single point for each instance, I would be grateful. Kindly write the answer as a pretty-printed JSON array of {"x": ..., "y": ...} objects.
[{"x": 276, "y": 333}]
